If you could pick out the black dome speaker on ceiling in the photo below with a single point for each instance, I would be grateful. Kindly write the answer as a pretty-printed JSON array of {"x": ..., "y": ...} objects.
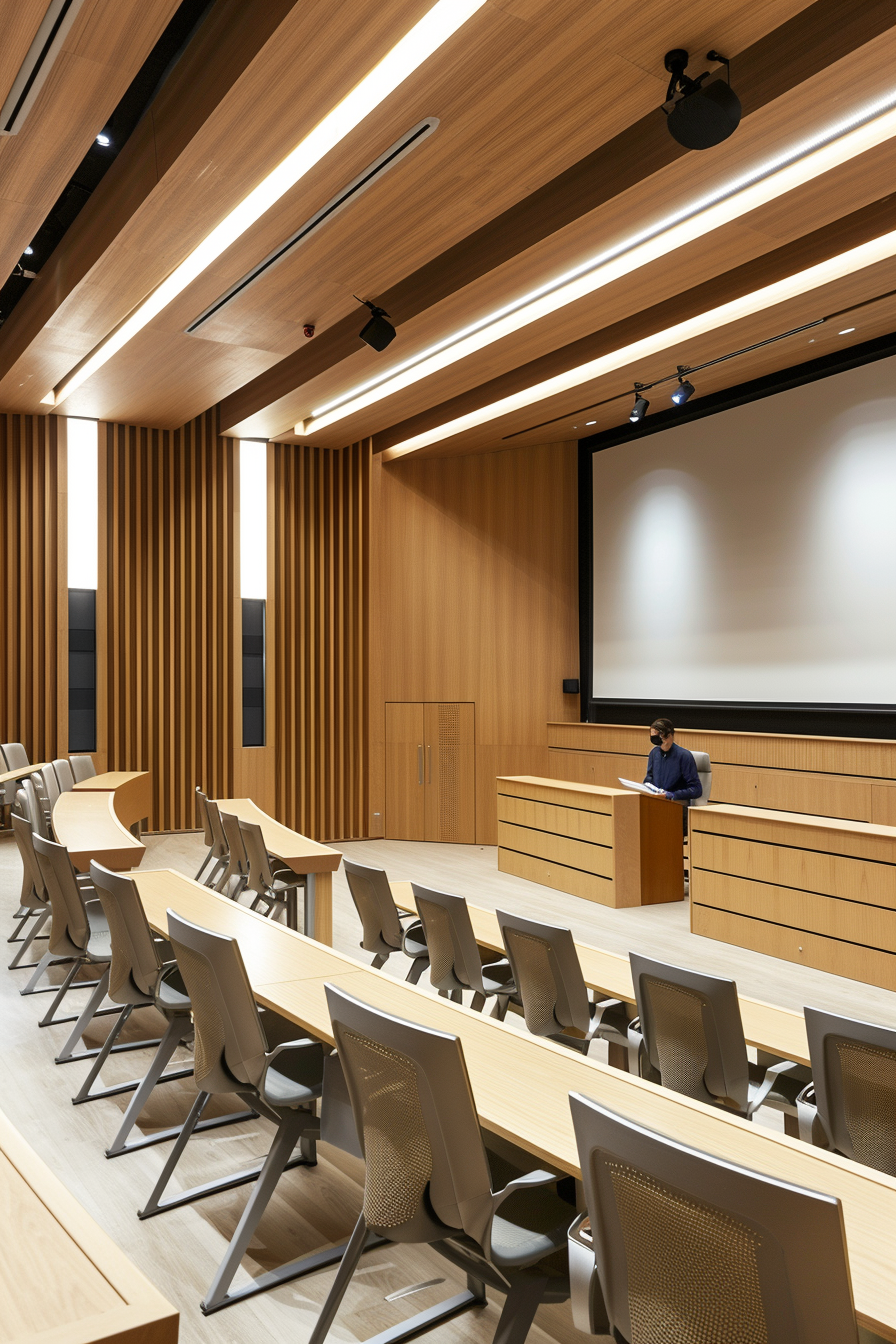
[{"x": 699, "y": 115}]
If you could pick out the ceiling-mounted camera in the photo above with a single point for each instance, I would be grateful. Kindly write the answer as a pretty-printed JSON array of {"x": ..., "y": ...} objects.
[{"x": 700, "y": 115}]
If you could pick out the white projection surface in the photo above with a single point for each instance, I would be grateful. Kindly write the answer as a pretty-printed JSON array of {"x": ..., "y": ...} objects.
[{"x": 751, "y": 556}]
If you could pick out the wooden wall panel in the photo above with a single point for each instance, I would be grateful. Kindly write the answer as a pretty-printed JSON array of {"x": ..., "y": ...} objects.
[
  {"x": 167, "y": 561},
  {"x": 320, "y": 595},
  {"x": 29, "y": 541},
  {"x": 475, "y": 594}
]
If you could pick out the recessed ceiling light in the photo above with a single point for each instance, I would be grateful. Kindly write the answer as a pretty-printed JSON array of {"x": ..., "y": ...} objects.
[
  {"x": 103, "y": 140},
  {"x": 845, "y": 331},
  {"x": 771, "y": 180},
  {"x": 29, "y": 251},
  {"x": 440, "y": 23},
  {"x": 856, "y": 259},
  {"x": 590, "y": 422}
]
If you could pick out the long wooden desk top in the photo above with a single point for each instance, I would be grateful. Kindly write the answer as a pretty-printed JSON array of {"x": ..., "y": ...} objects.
[
  {"x": 521, "y": 1083},
  {"x": 132, "y": 790},
  {"x": 776, "y": 1030},
  {"x": 87, "y": 824},
  {"x": 110, "y": 780},
  {"x": 302, "y": 855},
  {"x": 861, "y": 833},
  {"x": 564, "y": 785},
  {"x": 62, "y": 1279},
  {"x": 23, "y": 771}
]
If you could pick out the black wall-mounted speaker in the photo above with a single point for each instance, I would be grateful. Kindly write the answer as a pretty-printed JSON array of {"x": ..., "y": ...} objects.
[{"x": 570, "y": 685}]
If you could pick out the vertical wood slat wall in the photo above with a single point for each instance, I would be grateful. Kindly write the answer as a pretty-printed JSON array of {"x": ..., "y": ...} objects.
[
  {"x": 167, "y": 556},
  {"x": 28, "y": 624},
  {"x": 321, "y": 583}
]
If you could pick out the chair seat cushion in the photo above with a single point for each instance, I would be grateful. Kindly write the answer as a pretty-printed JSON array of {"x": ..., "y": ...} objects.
[
  {"x": 171, "y": 994},
  {"x": 282, "y": 1091},
  {"x": 497, "y": 977},
  {"x": 785, "y": 1091},
  {"x": 99, "y": 941}
]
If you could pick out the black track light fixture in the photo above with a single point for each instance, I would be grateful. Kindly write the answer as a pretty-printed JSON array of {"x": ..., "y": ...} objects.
[
  {"x": 377, "y": 333},
  {"x": 639, "y": 410},
  {"x": 700, "y": 115},
  {"x": 685, "y": 390}
]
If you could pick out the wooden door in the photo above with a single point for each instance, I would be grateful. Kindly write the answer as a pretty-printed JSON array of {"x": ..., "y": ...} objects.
[
  {"x": 450, "y": 772},
  {"x": 405, "y": 764}
]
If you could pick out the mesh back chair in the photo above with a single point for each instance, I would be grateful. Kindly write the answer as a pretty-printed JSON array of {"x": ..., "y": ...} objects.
[
  {"x": 233, "y": 1054},
  {"x": 689, "y": 1037},
  {"x": 82, "y": 768},
  {"x": 235, "y": 877},
  {"x": 704, "y": 770},
  {"x": 455, "y": 961},
  {"x": 381, "y": 920},
  {"x": 276, "y": 888},
  {"x": 547, "y": 973},
  {"x": 428, "y": 1180},
  {"x": 216, "y": 858},
  {"x": 80, "y": 936},
  {"x": 15, "y": 757},
  {"x": 50, "y": 791},
  {"x": 140, "y": 978},
  {"x": 64, "y": 775},
  {"x": 31, "y": 800},
  {"x": 678, "y": 1247},
  {"x": 850, "y": 1105},
  {"x": 34, "y": 904}
]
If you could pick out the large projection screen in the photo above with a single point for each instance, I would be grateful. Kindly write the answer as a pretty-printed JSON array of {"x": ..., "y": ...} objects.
[{"x": 751, "y": 556}]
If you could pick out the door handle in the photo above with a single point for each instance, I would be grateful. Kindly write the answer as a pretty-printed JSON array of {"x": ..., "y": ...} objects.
[
  {"x": 429, "y": 761},
  {"x": 420, "y": 764}
]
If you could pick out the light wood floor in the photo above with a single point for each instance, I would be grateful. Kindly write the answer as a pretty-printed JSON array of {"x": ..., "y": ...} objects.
[{"x": 314, "y": 1207}]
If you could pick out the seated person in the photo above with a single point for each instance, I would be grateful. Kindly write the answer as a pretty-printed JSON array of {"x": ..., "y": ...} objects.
[{"x": 672, "y": 768}]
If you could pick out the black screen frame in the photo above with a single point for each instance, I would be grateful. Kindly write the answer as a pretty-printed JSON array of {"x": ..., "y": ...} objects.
[{"x": 754, "y": 716}]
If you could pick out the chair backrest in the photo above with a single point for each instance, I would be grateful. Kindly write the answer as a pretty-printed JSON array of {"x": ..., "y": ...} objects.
[
  {"x": 24, "y": 835},
  {"x": 692, "y": 1031},
  {"x": 136, "y": 964},
  {"x": 690, "y": 1248},
  {"x": 376, "y": 907},
  {"x": 32, "y": 808},
  {"x": 15, "y": 755},
  {"x": 704, "y": 770},
  {"x": 51, "y": 785},
  {"x": 82, "y": 767},
  {"x": 215, "y": 837},
  {"x": 260, "y": 875},
  {"x": 454, "y": 960},
  {"x": 230, "y": 1042},
  {"x": 239, "y": 863},
  {"x": 70, "y": 930},
  {"x": 426, "y": 1172},
  {"x": 64, "y": 775},
  {"x": 854, "y": 1072},
  {"x": 547, "y": 973},
  {"x": 202, "y": 802},
  {"x": 7, "y": 791}
]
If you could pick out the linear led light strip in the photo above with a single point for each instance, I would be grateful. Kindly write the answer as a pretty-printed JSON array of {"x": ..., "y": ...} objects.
[
  {"x": 828, "y": 150},
  {"x": 434, "y": 29},
  {"x": 835, "y": 268}
]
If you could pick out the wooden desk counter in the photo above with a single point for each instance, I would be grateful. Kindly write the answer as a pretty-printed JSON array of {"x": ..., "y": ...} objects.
[
  {"x": 132, "y": 789},
  {"x": 23, "y": 771},
  {"x": 612, "y": 846},
  {"x": 317, "y": 862},
  {"x": 776, "y": 1030},
  {"x": 87, "y": 824},
  {"x": 818, "y": 891},
  {"x": 62, "y": 1279},
  {"x": 521, "y": 1083}
]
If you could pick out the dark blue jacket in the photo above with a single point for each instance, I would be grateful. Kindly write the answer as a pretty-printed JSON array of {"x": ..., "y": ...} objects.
[{"x": 675, "y": 772}]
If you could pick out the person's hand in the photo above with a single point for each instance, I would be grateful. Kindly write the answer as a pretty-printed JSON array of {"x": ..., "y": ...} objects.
[{"x": 661, "y": 795}]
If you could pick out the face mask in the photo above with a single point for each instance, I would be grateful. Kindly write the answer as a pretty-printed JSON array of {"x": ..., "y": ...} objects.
[{"x": 656, "y": 739}]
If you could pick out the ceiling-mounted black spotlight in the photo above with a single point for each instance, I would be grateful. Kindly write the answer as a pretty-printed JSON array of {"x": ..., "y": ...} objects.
[
  {"x": 639, "y": 410},
  {"x": 377, "y": 333},
  {"x": 700, "y": 115},
  {"x": 684, "y": 391}
]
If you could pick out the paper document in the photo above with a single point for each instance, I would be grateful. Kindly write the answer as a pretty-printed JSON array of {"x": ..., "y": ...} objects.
[{"x": 639, "y": 788}]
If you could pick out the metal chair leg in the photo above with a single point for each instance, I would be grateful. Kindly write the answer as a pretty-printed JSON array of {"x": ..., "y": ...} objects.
[
  {"x": 91, "y": 1010},
  {"x": 289, "y": 1132},
  {"x": 502, "y": 1003},
  {"x": 519, "y": 1310},
  {"x": 178, "y": 1029},
  {"x": 40, "y": 921},
  {"x": 347, "y": 1266},
  {"x": 418, "y": 966}
]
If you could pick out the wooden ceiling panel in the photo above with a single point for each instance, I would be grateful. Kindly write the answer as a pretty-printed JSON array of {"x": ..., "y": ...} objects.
[
  {"x": 821, "y": 101},
  {"x": 876, "y": 319},
  {"x": 19, "y": 22},
  {"x": 107, "y": 45}
]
